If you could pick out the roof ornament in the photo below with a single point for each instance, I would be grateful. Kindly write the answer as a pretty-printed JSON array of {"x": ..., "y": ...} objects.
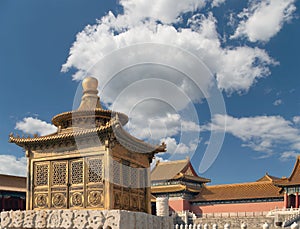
[{"x": 90, "y": 99}]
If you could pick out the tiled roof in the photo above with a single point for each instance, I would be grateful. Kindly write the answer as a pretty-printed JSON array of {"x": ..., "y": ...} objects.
[
  {"x": 114, "y": 126},
  {"x": 174, "y": 170},
  {"x": 268, "y": 177},
  {"x": 175, "y": 188},
  {"x": 168, "y": 170},
  {"x": 294, "y": 178},
  {"x": 242, "y": 191},
  {"x": 12, "y": 183}
]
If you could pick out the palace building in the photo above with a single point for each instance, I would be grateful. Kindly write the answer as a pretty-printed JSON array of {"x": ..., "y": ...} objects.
[{"x": 178, "y": 181}]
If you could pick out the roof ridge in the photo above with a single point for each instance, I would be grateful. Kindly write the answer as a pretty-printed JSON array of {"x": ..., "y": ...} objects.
[{"x": 239, "y": 184}]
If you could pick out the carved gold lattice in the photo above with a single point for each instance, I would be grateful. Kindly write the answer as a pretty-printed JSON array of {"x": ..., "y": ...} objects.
[
  {"x": 41, "y": 200},
  {"x": 134, "y": 177},
  {"x": 77, "y": 199},
  {"x": 58, "y": 200},
  {"x": 77, "y": 172},
  {"x": 125, "y": 200},
  {"x": 134, "y": 201},
  {"x": 116, "y": 173},
  {"x": 59, "y": 173},
  {"x": 142, "y": 173},
  {"x": 95, "y": 198},
  {"x": 95, "y": 170},
  {"x": 41, "y": 174},
  {"x": 126, "y": 175},
  {"x": 117, "y": 200}
]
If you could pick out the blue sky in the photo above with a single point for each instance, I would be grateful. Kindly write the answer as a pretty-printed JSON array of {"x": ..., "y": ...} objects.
[{"x": 250, "y": 48}]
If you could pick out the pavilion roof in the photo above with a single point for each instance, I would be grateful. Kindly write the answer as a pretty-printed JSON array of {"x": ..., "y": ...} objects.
[
  {"x": 242, "y": 191},
  {"x": 171, "y": 170}
]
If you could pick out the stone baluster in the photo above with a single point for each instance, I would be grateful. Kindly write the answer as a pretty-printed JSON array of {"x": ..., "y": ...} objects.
[
  {"x": 265, "y": 226},
  {"x": 295, "y": 226},
  {"x": 190, "y": 226},
  {"x": 227, "y": 226},
  {"x": 176, "y": 226},
  {"x": 194, "y": 226},
  {"x": 186, "y": 226},
  {"x": 181, "y": 226},
  {"x": 205, "y": 226},
  {"x": 215, "y": 226},
  {"x": 198, "y": 226},
  {"x": 243, "y": 225}
]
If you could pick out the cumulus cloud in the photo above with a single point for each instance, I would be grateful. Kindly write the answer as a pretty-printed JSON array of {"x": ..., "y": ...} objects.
[
  {"x": 12, "y": 165},
  {"x": 285, "y": 156},
  {"x": 175, "y": 148},
  {"x": 264, "y": 19},
  {"x": 296, "y": 119},
  {"x": 261, "y": 133},
  {"x": 216, "y": 3},
  {"x": 277, "y": 102},
  {"x": 30, "y": 125}
]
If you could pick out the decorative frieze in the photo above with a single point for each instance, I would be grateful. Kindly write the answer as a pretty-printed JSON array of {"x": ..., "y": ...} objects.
[{"x": 80, "y": 219}]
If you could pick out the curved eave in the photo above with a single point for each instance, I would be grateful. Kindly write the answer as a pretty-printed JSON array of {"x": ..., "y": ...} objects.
[
  {"x": 108, "y": 114},
  {"x": 135, "y": 144},
  {"x": 173, "y": 188},
  {"x": 192, "y": 178},
  {"x": 27, "y": 142}
]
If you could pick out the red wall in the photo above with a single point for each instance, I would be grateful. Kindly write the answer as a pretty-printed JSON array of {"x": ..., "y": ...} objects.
[
  {"x": 179, "y": 204},
  {"x": 238, "y": 207}
]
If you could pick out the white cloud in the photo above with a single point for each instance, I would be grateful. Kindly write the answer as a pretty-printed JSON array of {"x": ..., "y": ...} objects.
[
  {"x": 277, "y": 102},
  {"x": 166, "y": 11},
  {"x": 296, "y": 119},
  {"x": 174, "y": 148},
  {"x": 30, "y": 125},
  {"x": 216, "y": 3},
  {"x": 261, "y": 133},
  {"x": 285, "y": 156},
  {"x": 155, "y": 160},
  {"x": 264, "y": 19},
  {"x": 13, "y": 166}
]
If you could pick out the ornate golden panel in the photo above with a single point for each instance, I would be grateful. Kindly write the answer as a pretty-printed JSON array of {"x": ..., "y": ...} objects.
[
  {"x": 76, "y": 172},
  {"x": 95, "y": 198},
  {"x": 59, "y": 200},
  {"x": 76, "y": 199},
  {"x": 95, "y": 170},
  {"x": 41, "y": 174},
  {"x": 40, "y": 200},
  {"x": 59, "y": 173}
]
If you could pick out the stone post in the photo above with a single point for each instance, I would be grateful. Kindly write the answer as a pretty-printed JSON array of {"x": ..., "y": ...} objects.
[
  {"x": 227, "y": 226},
  {"x": 265, "y": 225},
  {"x": 295, "y": 226},
  {"x": 205, "y": 226},
  {"x": 215, "y": 226},
  {"x": 162, "y": 206},
  {"x": 243, "y": 226}
]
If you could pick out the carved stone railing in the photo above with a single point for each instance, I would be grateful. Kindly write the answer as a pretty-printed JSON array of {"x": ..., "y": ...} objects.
[{"x": 81, "y": 219}]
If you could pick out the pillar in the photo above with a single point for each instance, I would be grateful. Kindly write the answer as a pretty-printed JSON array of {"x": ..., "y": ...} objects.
[
  {"x": 285, "y": 200},
  {"x": 296, "y": 200},
  {"x": 162, "y": 206}
]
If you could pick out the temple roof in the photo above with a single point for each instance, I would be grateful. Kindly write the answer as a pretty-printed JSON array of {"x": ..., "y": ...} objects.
[
  {"x": 175, "y": 188},
  {"x": 171, "y": 170},
  {"x": 12, "y": 183},
  {"x": 294, "y": 178},
  {"x": 268, "y": 177},
  {"x": 89, "y": 120},
  {"x": 242, "y": 191}
]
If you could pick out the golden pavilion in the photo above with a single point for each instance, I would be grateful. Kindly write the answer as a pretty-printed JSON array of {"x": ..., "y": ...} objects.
[{"x": 91, "y": 162}]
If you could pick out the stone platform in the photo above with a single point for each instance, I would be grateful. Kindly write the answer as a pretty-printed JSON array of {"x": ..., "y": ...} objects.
[{"x": 83, "y": 219}]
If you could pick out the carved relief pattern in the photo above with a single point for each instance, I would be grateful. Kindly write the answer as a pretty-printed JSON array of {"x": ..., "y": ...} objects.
[
  {"x": 40, "y": 200},
  {"x": 117, "y": 200},
  {"x": 134, "y": 177},
  {"x": 95, "y": 198},
  {"x": 41, "y": 174},
  {"x": 126, "y": 175},
  {"x": 58, "y": 200},
  {"x": 77, "y": 172},
  {"x": 95, "y": 170},
  {"x": 59, "y": 176},
  {"x": 77, "y": 199}
]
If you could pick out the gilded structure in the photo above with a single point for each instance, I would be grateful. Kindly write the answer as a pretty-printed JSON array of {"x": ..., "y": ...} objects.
[{"x": 91, "y": 162}]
